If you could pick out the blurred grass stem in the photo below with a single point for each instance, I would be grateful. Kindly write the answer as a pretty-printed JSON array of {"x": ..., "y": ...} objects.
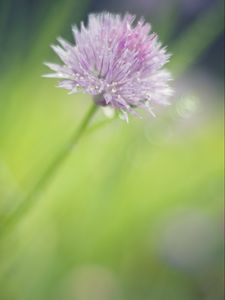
[{"x": 46, "y": 177}]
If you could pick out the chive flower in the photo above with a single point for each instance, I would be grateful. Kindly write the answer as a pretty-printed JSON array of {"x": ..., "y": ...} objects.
[{"x": 117, "y": 60}]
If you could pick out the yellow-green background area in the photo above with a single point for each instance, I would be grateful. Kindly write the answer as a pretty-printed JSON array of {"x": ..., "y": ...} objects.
[{"x": 136, "y": 211}]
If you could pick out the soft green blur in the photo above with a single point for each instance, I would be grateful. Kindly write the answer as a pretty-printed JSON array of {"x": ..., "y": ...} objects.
[{"x": 136, "y": 212}]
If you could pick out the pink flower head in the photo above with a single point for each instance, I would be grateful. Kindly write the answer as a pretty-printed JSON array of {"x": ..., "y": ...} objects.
[{"x": 117, "y": 61}]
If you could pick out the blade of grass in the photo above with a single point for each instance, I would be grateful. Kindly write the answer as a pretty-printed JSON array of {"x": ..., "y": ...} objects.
[{"x": 196, "y": 39}]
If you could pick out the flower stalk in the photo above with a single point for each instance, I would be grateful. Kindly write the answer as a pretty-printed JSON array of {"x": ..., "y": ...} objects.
[{"x": 50, "y": 172}]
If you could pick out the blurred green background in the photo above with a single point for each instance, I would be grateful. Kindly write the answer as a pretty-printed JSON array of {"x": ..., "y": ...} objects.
[{"x": 136, "y": 212}]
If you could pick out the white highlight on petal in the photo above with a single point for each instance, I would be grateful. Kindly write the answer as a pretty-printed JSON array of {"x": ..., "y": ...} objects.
[{"x": 108, "y": 111}]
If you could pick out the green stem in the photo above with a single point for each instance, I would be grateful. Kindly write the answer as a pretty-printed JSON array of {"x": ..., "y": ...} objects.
[{"x": 45, "y": 179}]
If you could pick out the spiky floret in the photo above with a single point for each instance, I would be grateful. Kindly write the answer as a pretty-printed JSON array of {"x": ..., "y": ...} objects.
[{"x": 116, "y": 60}]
